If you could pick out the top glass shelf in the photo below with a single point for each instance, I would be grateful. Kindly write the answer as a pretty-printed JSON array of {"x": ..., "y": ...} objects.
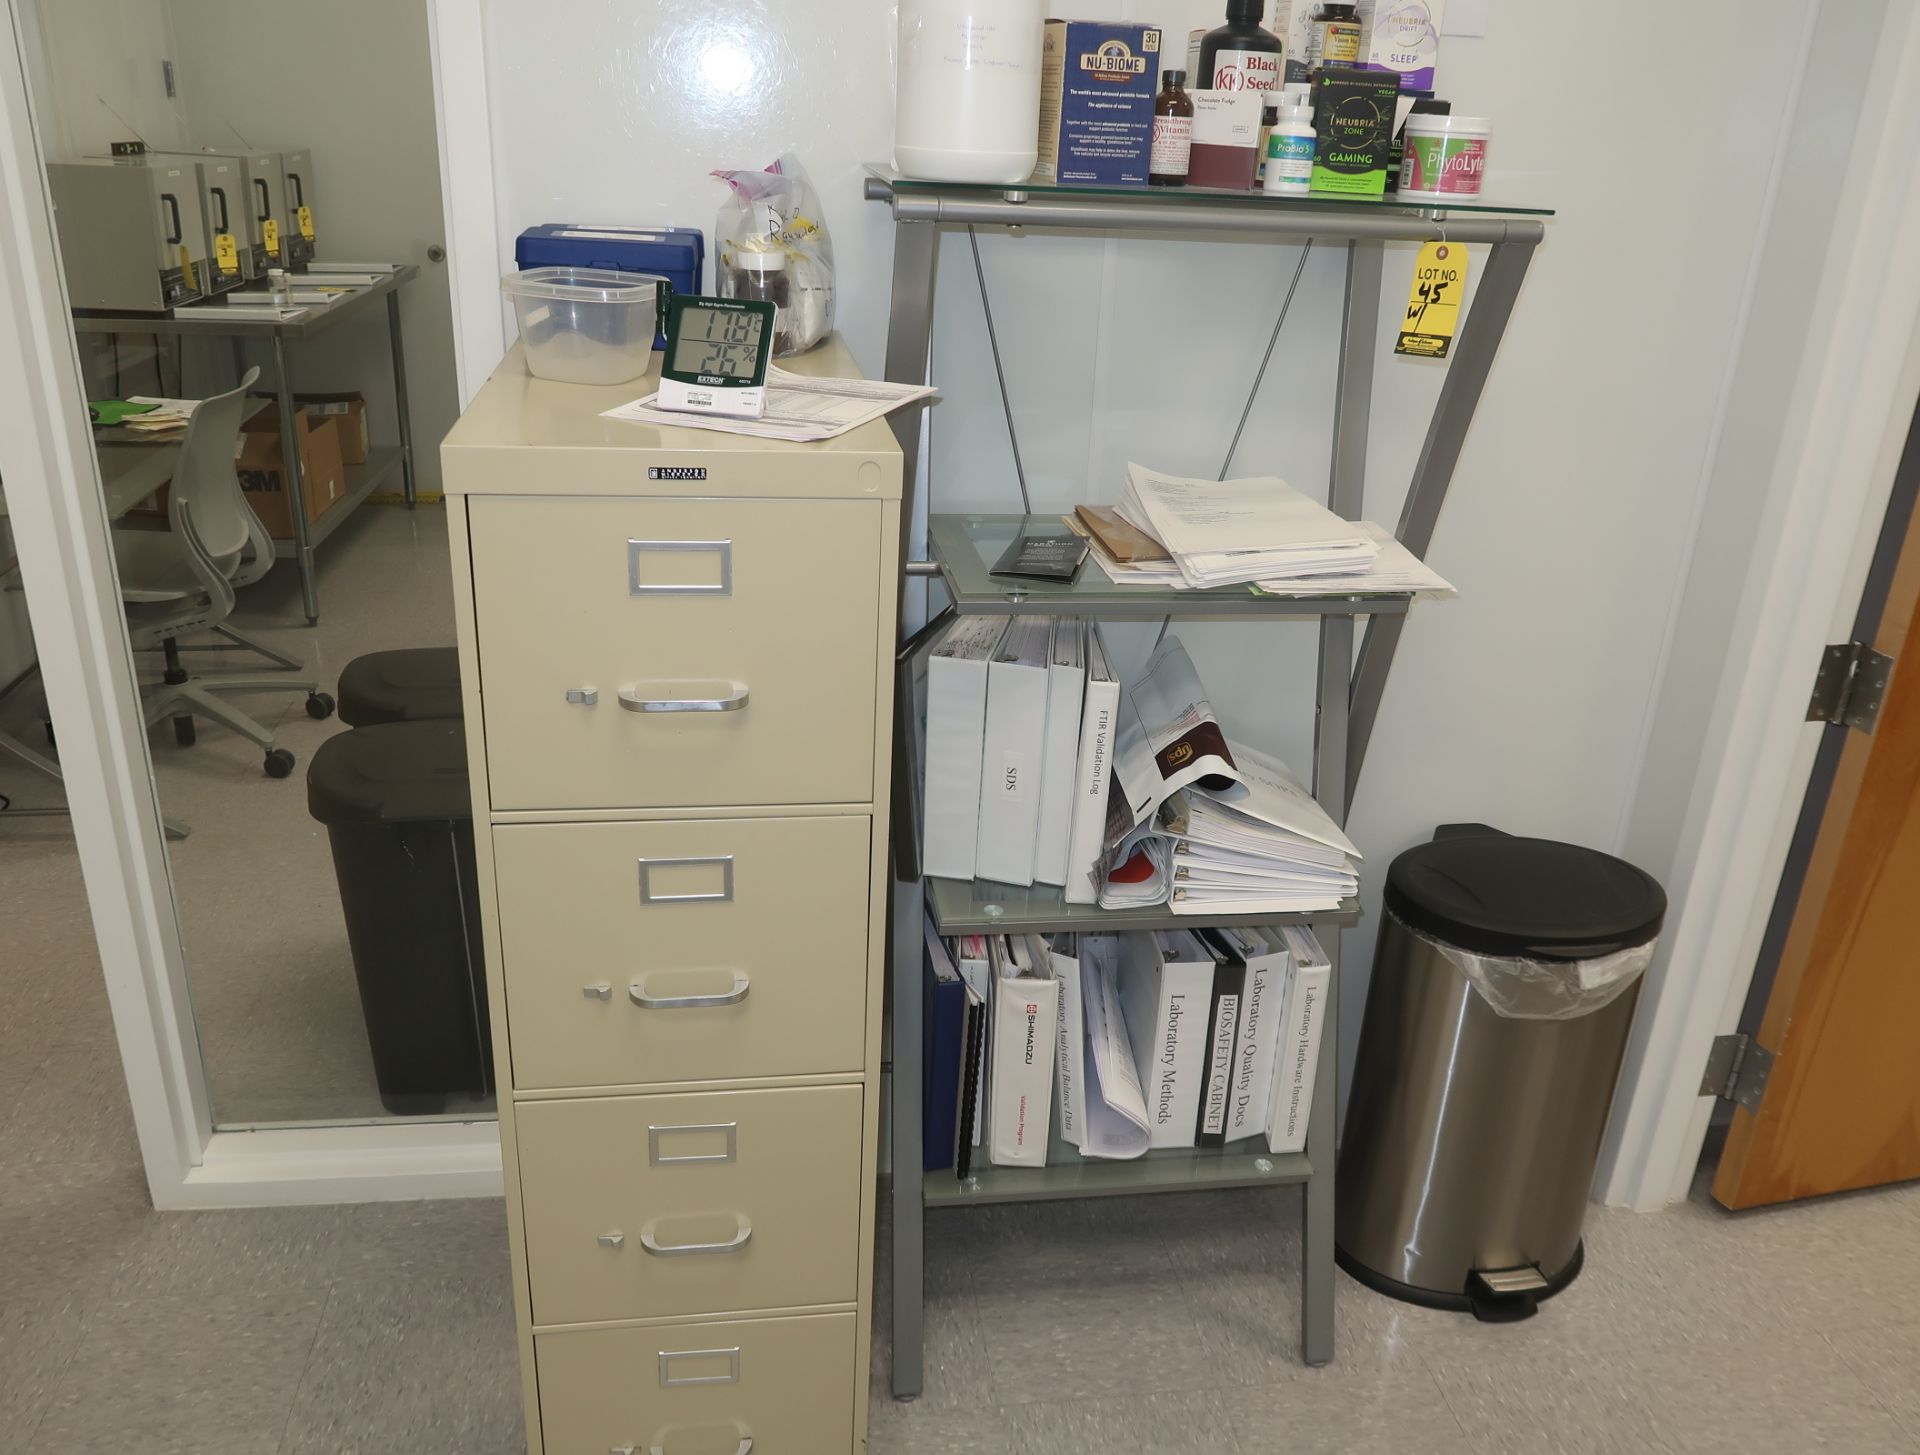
[
  {"x": 1175, "y": 197},
  {"x": 966, "y": 548}
]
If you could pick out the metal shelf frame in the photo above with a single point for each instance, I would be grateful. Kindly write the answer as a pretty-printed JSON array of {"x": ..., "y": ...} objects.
[{"x": 1347, "y": 691}]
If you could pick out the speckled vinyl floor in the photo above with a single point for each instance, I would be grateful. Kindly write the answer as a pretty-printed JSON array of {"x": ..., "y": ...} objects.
[{"x": 1077, "y": 1329}]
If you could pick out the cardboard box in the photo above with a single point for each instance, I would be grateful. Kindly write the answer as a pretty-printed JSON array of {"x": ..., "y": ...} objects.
[
  {"x": 349, "y": 415},
  {"x": 1402, "y": 37},
  {"x": 1353, "y": 130},
  {"x": 1226, "y": 139},
  {"x": 257, "y": 457},
  {"x": 1096, "y": 102}
]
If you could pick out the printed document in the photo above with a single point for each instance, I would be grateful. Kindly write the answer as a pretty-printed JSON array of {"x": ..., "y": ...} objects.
[{"x": 800, "y": 408}]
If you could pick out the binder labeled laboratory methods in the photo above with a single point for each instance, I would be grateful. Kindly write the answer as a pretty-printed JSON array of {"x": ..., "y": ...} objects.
[
  {"x": 1026, "y": 1014},
  {"x": 1166, "y": 996},
  {"x": 1092, "y": 775},
  {"x": 1299, "y": 1042},
  {"x": 1257, "y": 1039},
  {"x": 1013, "y": 753},
  {"x": 1066, "y": 687},
  {"x": 956, "y": 724}
]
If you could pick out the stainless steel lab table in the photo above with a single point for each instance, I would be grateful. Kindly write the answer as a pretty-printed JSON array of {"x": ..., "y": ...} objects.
[{"x": 205, "y": 321}]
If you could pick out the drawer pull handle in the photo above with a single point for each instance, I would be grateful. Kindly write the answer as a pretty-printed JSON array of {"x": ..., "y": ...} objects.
[
  {"x": 599, "y": 990},
  {"x": 612, "y": 1240},
  {"x": 584, "y": 696},
  {"x": 682, "y": 1250},
  {"x": 746, "y": 1448},
  {"x": 638, "y": 992},
  {"x": 733, "y": 701}
]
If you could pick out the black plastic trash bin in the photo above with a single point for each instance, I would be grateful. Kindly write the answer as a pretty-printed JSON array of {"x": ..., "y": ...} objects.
[
  {"x": 413, "y": 684},
  {"x": 394, "y": 799},
  {"x": 1502, "y": 996}
]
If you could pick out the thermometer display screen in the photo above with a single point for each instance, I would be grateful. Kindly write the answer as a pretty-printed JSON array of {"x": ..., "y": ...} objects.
[{"x": 719, "y": 342}]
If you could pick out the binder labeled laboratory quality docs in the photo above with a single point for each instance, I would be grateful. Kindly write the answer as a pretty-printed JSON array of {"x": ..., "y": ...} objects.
[
  {"x": 1257, "y": 1039},
  {"x": 1299, "y": 1042},
  {"x": 1093, "y": 774},
  {"x": 1166, "y": 997},
  {"x": 1026, "y": 1014},
  {"x": 956, "y": 724},
  {"x": 1013, "y": 752},
  {"x": 1066, "y": 686}
]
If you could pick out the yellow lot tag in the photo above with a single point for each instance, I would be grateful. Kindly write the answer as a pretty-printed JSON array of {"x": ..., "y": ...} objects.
[
  {"x": 305, "y": 214},
  {"x": 226, "y": 253},
  {"x": 270, "y": 235},
  {"x": 1433, "y": 306},
  {"x": 186, "y": 270}
]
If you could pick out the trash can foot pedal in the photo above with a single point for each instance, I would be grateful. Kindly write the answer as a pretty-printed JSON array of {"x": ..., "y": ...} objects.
[{"x": 1506, "y": 1295}]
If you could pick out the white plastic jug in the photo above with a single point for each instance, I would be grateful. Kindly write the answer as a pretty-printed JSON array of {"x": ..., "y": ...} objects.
[{"x": 967, "y": 105}]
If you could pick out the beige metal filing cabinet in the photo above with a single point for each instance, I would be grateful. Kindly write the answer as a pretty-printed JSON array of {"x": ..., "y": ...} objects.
[{"x": 677, "y": 653}]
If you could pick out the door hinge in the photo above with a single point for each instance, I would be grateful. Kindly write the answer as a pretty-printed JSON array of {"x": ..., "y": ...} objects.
[
  {"x": 1737, "y": 1070},
  {"x": 1851, "y": 685}
]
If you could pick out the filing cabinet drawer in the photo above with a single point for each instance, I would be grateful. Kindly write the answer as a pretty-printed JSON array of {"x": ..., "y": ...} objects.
[
  {"x": 786, "y": 1385},
  {"x": 677, "y": 653},
  {"x": 684, "y": 951},
  {"x": 655, "y": 1206}
]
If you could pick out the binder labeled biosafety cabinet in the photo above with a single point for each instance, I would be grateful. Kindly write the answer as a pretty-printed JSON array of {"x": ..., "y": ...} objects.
[{"x": 680, "y": 774}]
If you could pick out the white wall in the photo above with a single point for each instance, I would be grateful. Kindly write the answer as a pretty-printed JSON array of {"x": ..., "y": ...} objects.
[
  {"x": 1523, "y": 703},
  {"x": 95, "y": 58},
  {"x": 351, "y": 80}
]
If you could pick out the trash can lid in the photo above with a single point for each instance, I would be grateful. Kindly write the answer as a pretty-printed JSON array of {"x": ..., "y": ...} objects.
[
  {"x": 391, "y": 772},
  {"x": 409, "y": 684},
  {"x": 1496, "y": 894}
]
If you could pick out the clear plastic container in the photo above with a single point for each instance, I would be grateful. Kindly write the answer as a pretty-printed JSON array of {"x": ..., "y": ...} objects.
[{"x": 587, "y": 325}]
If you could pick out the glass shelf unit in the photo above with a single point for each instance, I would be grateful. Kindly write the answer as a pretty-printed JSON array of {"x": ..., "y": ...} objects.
[
  {"x": 1176, "y": 199},
  {"x": 976, "y": 907},
  {"x": 966, "y": 547},
  {"x": 1067, "y": 1175}
]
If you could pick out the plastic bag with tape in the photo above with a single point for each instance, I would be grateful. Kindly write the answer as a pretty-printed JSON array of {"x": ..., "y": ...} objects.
[
  {"x": 1544, "y": 990},
  {"x": 771, "y": 222}
]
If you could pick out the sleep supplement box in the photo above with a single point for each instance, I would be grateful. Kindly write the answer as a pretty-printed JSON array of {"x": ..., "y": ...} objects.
[{"x": 1096, "y": 102}]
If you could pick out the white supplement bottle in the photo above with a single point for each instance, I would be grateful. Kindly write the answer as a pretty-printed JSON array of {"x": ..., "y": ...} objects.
[
  {"x": 1289, "y": 169},
  {"x": 967, "y": 106}
]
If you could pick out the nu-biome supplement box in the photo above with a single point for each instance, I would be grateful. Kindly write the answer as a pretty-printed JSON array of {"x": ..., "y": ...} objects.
[{"x": 1096, "y": 101}]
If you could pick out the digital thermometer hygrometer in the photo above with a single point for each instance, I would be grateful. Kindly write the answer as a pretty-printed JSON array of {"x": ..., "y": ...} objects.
[{"x": 716, "y": 358}]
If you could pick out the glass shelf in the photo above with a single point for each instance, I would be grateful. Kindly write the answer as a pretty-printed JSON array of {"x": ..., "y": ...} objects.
[
  {"x": 967, "y": 546},
  {"x": 1067, "y": 1175},
  {"x": 976, "y": 907},
  {"x": 1175, "y": 197}
]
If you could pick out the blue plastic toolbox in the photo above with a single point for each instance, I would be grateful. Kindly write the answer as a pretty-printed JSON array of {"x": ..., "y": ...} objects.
[{"x": 677, "y": 254}]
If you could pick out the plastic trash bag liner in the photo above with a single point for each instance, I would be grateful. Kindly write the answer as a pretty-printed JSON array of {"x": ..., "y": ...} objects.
[
  {"x": 1544, "y": 990},
  {"x": 779, "y": 209}
]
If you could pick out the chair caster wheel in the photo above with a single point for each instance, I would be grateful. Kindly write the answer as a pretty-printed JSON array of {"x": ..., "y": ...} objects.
[
  {"x": 320, "y": 704},
  {"x": 183, "y": 731},
  {"x": 279, "y": 763}
]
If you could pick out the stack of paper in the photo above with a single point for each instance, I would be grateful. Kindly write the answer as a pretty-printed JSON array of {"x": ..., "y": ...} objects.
[
  {"x": 1231, "y": 532},
  {"x": 158, "y": 416},
  {"x": 800, "y": 408}
]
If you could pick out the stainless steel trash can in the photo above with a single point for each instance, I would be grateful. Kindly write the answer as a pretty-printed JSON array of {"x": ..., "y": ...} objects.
[{"x": 1503, "y": 991}]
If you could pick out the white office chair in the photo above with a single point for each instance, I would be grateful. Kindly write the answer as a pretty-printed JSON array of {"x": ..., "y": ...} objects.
[{"x": 182, "y": 580}]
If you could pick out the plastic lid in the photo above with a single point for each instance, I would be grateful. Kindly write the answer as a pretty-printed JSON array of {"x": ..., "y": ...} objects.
[
  {"x": 581, "y": 285},
  {"x": 391, "y": 772},
  {"x": 1495, "y": 894},
  {"x": 761, "y": 262},
  {"x": 1434, "y": 121},
  {"x": 1296, "y": 115}
]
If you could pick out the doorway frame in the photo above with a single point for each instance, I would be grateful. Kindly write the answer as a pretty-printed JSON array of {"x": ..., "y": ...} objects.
[
  {"x": 1828, "y": 491},
  {"x": 1853, "y": 404},
  {"x": 65, "y": 544}
]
